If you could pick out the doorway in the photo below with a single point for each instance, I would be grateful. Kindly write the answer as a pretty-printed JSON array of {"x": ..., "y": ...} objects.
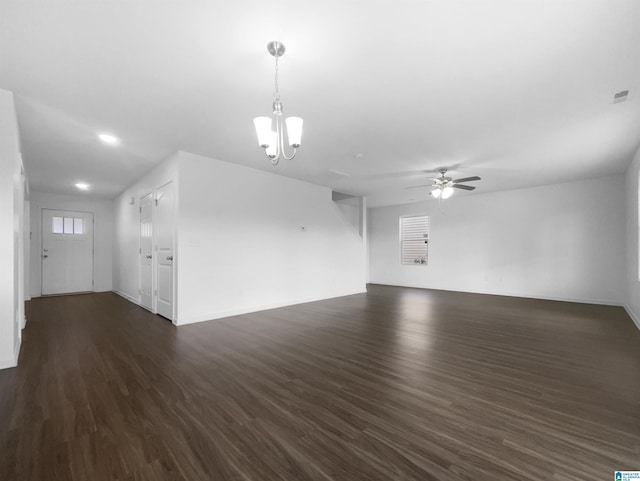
[
  {"x": 67, "y": 252},
  {"x": 157, "y": 239}
]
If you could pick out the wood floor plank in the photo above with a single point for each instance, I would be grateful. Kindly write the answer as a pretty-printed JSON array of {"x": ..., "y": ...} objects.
[{"x": 394, "y": 384}]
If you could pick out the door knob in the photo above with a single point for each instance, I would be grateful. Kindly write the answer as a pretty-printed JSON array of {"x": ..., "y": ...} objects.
[
  {"x": 169, "y": 258},
  {"x": 148, "y": 257},
  {"x": 44, "y": 256}
]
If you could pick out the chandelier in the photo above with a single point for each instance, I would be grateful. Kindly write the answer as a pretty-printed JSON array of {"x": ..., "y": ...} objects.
[{"x": 273, "y": 141}]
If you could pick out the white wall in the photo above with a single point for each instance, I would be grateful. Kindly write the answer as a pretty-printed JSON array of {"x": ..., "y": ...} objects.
[
  {"x": 11, "y": 237},
  {"x": 102, "y": 235},
  {"x": 633, "y": 241},
  {"x": 126, "y": 233},
  {"x": 563, "y": 241},
  {"x": 240, "y": 245}
]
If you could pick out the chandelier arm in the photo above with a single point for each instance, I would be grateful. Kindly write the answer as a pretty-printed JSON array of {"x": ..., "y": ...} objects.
[
  {"x": 281, "y": 140},
  {"x": 274, "y": 160},
  {"x": 279, "y": 136},
  {"x": 291, "y": 156},
  {"x": 281, "y": 148},
  {"x": 280, "y": 130}
]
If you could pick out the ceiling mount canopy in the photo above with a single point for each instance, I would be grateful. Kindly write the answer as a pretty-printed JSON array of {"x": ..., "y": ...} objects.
[
  {"x": 276, "y": 49},
  {"x": 273, "y": 141}
]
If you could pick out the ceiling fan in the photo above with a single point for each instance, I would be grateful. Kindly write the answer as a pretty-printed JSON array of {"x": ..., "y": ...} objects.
[{"x": 443, "y": 186}]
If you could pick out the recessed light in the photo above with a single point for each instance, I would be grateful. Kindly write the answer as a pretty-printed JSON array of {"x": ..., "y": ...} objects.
[
  {"x": 82, "y": 186},
  {"x": 109, "y": 139}
]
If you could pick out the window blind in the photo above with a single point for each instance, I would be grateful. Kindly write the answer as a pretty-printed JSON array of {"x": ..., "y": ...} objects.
[{"x": 414, "y": 240}]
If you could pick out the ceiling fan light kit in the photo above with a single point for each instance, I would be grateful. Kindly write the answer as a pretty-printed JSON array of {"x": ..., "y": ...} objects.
[
  {"x": 272, "y": 141},
  {"x": 442, "y": 192}
]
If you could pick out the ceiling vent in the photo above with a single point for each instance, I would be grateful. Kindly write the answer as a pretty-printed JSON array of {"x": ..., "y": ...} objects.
[{"x": 620, "y": 96}]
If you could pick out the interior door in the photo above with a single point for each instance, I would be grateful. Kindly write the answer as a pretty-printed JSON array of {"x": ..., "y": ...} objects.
[
  {"x": 164, "y": 225},
  {"x": 146, "y": 252},
  {"x": 67, "y": 252}
]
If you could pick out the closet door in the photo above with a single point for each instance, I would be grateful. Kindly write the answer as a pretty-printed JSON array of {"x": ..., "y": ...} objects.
[{"x": 164, "y": 224}]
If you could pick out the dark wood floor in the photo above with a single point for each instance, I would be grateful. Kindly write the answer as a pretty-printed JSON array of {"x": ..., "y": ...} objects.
[{"x": 396, "y": 384}]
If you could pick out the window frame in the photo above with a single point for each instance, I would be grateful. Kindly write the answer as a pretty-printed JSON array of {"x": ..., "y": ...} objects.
[{"x": 403, "y": 240}]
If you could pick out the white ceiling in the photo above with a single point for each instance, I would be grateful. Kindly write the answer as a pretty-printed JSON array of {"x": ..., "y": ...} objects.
[{"x": 518, "y": 92}]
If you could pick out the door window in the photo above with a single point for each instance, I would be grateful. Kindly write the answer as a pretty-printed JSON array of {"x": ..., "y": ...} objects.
[{"x": 67, "y": 225}]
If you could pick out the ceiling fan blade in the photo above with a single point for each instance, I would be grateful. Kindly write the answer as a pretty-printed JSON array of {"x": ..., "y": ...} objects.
[
  {"x": 465, "y": 187},
  {"x": 417, "y": 186},
  {"x": 467, "y": 179}
]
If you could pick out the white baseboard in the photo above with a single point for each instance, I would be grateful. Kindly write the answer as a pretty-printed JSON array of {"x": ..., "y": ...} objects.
[
  {"x": 263, "y": 307},
  {"x": 126, "y": 296},
  {"x": 634, "y": 318},
  {"x": 509, "y": 294},
  {"x": 12, "y": 362},
  {"x": 8, "y": 364}
]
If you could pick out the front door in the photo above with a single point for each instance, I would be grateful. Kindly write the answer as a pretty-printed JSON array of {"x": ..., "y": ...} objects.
[
  {"x": 67, "y": 252},
  {"x": 146, "y": 251},
  {"x": 164, "y": 225}
]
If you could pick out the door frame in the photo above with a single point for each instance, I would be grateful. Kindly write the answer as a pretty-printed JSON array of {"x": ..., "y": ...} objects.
[
  {"x": 153, "y": 309},
  {"x": 93, "y": 248}
]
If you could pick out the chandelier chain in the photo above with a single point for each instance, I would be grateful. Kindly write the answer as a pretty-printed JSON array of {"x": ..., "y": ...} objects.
[{"x": 276, "y": 94}]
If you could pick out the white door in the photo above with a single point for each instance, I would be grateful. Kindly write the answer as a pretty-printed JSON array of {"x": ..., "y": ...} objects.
[
  {"x": 164, "y": 225},
  {"x": 67, "y": 251},
  {"x": 146, "y": 251}
]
